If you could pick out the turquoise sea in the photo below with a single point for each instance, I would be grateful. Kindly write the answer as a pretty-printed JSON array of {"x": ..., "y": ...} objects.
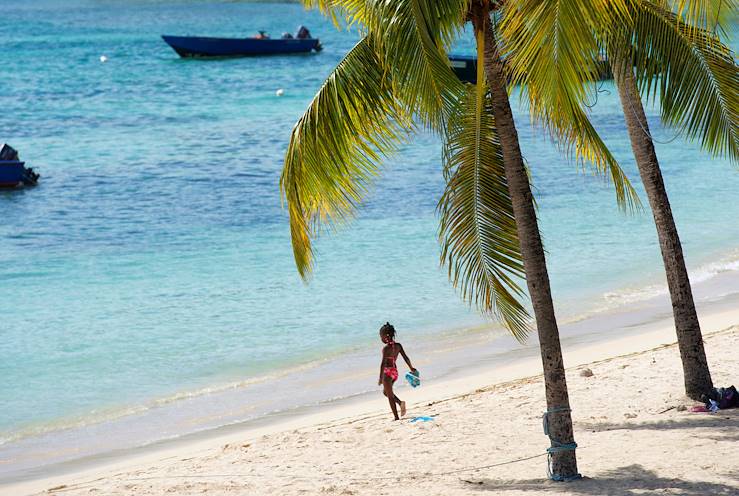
[{"x": 152, "y": 265}]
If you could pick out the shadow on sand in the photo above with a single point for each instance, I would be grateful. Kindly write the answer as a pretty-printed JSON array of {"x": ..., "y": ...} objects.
[
  {"x": 634, "y": 479},
  {"x": 628, "y": 480},
  {"x": 722, "y": 426}
]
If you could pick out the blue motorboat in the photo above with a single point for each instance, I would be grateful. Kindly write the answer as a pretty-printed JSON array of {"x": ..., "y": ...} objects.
[
  {"x": 465, "y": 67},
  {"x": 262, "y": 44},
  {"x": 13, "y": 172}
]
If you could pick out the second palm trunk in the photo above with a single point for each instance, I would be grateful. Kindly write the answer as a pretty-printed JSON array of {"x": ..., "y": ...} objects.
[{"x": 689, "y": 337}]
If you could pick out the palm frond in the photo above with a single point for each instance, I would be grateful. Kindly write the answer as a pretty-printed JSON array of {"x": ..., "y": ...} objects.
[
  {"x": 552, "y": 45},
  {"x": 692, "y": 74},
  {"x": 341, "y": 12},
  {"x": 576, "y": 136},
  {"x": 708, "y": 15},
  {"x": 477, "y": 231},
  {"x": 552, "y": 50},
  {"x": 336, "y": 146},
  {"x": 413, "y": 37}
]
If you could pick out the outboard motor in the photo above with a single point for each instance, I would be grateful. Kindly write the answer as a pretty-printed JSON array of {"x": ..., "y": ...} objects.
[
  {"x": 30, "y": 178},
  {"x": 303, "y": 33}
]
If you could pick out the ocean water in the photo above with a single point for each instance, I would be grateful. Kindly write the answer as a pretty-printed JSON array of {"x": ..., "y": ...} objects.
[{"x": 153, "y": 264}]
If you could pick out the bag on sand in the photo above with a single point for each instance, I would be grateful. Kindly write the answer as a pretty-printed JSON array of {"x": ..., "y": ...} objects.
[
  {"x": 723, "y": 397},
  {"x": 729, "y": 398}
]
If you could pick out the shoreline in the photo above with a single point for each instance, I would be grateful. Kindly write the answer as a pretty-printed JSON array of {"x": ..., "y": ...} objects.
[
  {"x": 631, "y": 308},
  {"x": 579, "y": 349}
]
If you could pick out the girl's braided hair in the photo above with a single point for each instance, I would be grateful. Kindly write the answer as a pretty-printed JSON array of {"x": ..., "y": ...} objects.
[{"x": 388, "y": 330}]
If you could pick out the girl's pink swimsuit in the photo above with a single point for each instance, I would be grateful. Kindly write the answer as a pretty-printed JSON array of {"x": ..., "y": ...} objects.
[{"x": 392, "y": 371}]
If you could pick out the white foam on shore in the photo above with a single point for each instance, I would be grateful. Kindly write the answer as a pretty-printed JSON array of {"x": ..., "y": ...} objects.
[
  {"x": 645, "y": 295},
  {"x": 702, "y": 274}
]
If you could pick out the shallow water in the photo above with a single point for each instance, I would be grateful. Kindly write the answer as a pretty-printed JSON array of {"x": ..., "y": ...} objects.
[{"x": 153, "y": 262}]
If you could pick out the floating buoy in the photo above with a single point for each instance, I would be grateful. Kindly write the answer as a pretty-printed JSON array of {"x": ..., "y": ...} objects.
[
  {"x": 103, "y": 59},
  {"x": 280, "y": 92}
]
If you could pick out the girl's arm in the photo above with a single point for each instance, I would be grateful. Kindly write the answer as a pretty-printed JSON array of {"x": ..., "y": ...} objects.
[
  {"x": 405, "y": 357},
  {"x": 382, "y": 361}
]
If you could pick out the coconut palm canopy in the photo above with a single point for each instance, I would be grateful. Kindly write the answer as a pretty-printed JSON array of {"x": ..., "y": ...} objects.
[
  {"x": 397, "y": 78},
  {"x": 688, "y": 71}
]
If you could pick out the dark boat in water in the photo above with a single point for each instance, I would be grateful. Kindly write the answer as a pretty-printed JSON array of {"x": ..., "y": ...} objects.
[
  {"x": 13, "y": 172},
  {"x": 465, "y": 67},
  {"x": 200, "y": 46}
]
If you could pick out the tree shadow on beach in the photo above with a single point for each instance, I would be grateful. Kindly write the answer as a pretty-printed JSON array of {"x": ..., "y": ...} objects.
[
  {"x": 628, "y": 480},
  {"x": 724, "y": 422}
]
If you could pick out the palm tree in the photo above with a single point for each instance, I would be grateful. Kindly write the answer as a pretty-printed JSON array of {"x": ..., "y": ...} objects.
[
  {"x": 564, "y": 464},
  {"x": 398, "y": 75},
  {"x": 551, "y": 52},
  {"x": 697, "y": 84}
]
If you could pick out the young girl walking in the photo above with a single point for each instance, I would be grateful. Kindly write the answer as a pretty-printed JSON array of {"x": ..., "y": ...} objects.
[{"x": 389, "y": 368}]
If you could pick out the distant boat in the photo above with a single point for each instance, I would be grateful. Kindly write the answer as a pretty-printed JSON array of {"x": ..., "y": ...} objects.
[
  {"x": 13, "y": 172},
  {"x": 465, "y": 67},
  {"x": 199, "y": 46}
]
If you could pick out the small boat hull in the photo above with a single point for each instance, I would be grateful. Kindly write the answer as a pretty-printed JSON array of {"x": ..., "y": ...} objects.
[
  {"x": 14, "y": 174},
  {"x": 465, "y": 67},
  {"x": 198, "y": 46}
]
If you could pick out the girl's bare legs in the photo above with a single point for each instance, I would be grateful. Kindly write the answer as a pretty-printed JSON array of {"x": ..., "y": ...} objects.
[
  {"x": 388, "y": 392},
  {"x": 387, "y": 384}
]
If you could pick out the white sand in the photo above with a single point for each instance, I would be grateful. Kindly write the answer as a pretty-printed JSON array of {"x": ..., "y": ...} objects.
[{"x": 633, "y": 439}]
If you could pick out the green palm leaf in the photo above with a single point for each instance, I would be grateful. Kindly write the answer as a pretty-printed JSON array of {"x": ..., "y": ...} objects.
[
  {"x": 478, "y": 231},
  {"x": 416, "y": 36},
  {"x": 413, "y": 37},
  {"x": 336, "y": 146},
  {"x": 693, "y": 75},
  {"x": 552, "y": 45},
  {"x": 552, "y": 50},
  {"x": 708, "y": 15},
  {"x": 341, "y": 11},
  {"x": 576, "y": 135}
]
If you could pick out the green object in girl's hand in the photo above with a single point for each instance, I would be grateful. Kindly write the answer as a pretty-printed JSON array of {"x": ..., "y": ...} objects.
[{"x": 413, "y": 378}]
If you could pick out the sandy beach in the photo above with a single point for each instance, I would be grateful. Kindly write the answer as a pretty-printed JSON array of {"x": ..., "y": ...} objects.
[
  {"x": 193, "y": 290},
  {"x": 634, "y": 433}
]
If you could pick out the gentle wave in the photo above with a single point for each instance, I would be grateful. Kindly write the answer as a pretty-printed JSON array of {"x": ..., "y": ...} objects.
[
  {"x": 619, "y": 299},
  {"x": 703, "y": 273},
  {"x": 99, "y": 416}
]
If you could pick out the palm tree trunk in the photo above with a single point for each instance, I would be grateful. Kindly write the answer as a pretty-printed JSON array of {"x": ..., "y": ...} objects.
[
  {"x": 564, "y": 462},
  {"x": 689, "y": 338}
]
